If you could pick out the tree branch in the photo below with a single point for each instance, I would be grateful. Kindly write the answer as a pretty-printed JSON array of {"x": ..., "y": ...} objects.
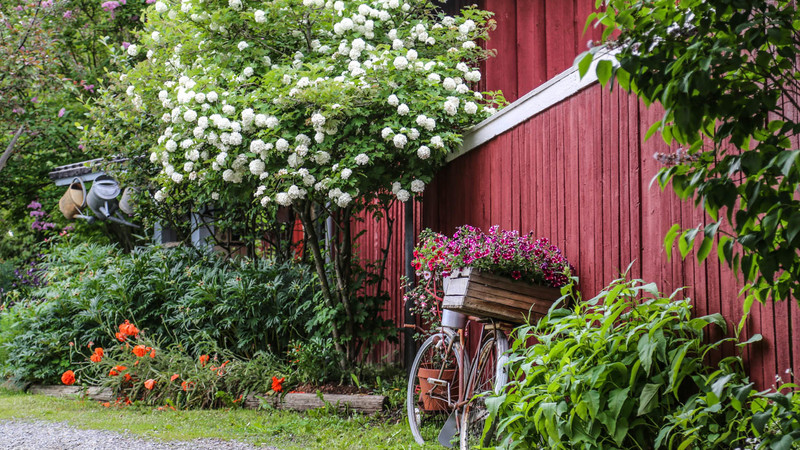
[{"x": 10, "y": 148}]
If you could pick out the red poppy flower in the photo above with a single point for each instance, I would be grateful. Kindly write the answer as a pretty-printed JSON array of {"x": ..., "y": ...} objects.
[
  {"x": 139, "y": 350},
  {"x": 113, "y": 373},
  {"x": 276, "y": 384},
  {"x": 99, "y": 351},
  {"x": 68, "y": 378},
  {"x": 120, "y": 368},
  {"x": 203, "y": 360},
  {"x": 174, "y": 377},
  {"x": 127, "y": 377},
  {"x": 106, "y": 404},
  {"x": 120, "y": 337},
  {"x": 153, "y": 353},
  {"x": 149, "y": 384},
  {"x": 95, "y": 358}
]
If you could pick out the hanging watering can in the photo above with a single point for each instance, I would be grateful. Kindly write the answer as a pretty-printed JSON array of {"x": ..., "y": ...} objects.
[
  {"x": 73, "y": 200},
  {"x": 126, "y": 201},
  {"x": 102, "y": 198}
]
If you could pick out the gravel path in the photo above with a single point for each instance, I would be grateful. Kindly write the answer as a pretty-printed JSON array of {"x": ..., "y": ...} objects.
[{"x": 28, "y": 434}]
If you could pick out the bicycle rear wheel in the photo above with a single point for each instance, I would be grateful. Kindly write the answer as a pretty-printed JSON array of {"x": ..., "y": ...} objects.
[
  {"x": 488, "y": 376},
  {"x": 433, "y": 385}
]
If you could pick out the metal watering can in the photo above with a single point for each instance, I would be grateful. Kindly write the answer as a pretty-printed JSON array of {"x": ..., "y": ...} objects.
[{"x": 102, "y": 197}]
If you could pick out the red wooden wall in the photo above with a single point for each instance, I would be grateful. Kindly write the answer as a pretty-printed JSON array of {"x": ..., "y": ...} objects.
[{"x": 580, "y": 174}]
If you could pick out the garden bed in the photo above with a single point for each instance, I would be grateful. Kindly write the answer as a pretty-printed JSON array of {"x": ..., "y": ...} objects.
[{"x": 295, "y": 401}]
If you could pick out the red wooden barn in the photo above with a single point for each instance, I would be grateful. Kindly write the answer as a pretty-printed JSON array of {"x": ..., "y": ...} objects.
[{"x": 567, "y": 159}]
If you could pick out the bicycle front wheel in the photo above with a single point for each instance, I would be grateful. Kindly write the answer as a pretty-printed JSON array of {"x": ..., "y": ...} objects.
[
  {"x": 433, "y": 385},
  {"x": 488, "y": 376}
]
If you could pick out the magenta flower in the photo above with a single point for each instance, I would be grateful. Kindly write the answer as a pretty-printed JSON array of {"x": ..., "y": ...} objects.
[
  {"x": 61, "y": 112},
  {"x": 68, "y": 14}
]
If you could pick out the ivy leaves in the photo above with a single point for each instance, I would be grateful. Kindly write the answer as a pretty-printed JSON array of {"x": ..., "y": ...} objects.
[{"x": 726, "y": 74}]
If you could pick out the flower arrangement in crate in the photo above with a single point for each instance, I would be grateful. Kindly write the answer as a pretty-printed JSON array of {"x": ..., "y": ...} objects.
[{"x": 473, "y": 264}]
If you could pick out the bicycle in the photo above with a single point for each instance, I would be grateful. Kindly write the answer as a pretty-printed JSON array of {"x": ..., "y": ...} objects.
[{"x": 442, "y": 382}]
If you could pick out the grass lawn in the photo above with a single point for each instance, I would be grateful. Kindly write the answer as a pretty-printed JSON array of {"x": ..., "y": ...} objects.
[{"x": 314, "y": 429}]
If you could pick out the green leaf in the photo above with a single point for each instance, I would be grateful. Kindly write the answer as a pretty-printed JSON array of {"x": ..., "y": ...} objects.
[
  {"x": 652, "y": 130},
  {"x": 592, "y": 399},
  {"x": 647, "y": 348},
  {"x": 719, "y": 385},
  {"x": 761, "y": 419},
  {"x": 705, "y": 248},
  {"x": 584, "y": 60},
  {"x": 754, "y": 338},
  {"x": 616, "y": 399},
  {"x": 603, "y": 70},
  {"x": 647, "y": 401},
  {"x": 669, "y": 239}
]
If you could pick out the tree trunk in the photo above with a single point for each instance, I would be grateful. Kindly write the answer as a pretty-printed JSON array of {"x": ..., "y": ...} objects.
[{"x": 10, "y": 148}]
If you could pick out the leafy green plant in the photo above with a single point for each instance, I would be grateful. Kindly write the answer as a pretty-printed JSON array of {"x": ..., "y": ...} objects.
[
  {"x": 726, "y": 74},
  {"x": 242, "y": 306},
  {"x": 605, "y": 374}
]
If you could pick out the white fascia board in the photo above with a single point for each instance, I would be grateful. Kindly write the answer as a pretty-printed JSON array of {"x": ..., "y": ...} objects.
[{"x": 552, "y": 92}]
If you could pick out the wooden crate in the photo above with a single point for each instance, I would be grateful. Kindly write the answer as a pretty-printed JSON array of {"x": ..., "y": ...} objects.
[{"x": 484, "y": 294}]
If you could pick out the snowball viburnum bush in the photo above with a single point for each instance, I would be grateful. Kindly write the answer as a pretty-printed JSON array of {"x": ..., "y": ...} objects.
[{"x": 271, "y": 95}]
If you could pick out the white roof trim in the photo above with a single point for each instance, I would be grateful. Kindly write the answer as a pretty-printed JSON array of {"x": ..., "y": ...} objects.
[{"x": 555, "y": 90}]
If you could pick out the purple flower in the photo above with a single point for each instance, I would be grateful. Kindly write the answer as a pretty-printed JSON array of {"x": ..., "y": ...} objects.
[
  {"x": 125, "y": 45},
  {"x": 35, "y": 100},
  {"x": 110, "y": 6},
  {"x": 34, "y": 205},
  {"x": 68, "y": 14},
  {"x": 61, "y": 112},
  {"x": 89, "y": 87}
]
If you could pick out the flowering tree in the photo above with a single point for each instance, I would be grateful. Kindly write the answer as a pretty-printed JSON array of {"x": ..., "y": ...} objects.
[
  {"x": 331, "y": 108},
  {"x": 52, "y": 53}
]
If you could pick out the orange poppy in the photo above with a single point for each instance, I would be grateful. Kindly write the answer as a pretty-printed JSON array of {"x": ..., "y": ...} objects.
[
  {"x": 120, "y": 368},
  {"x": 107, "y": 404},
  {"x": 120, "y": 337},
  {"x": 127, "y": 377},
  {"x": 276, "y": 384},
  {"x": 204, "y": 359},
  {"x": 99, "y": 351},
  {"x": 68, "y": 378},
  {"x": 174, "y": 377},
  {"x": 139, "y": 350},
  {"x": 128, "y": 329},
  {"x": 153, "y": 353},
  {"x": 186, "y": 385},
  {"x": 113, "y": 373},
  {"x": 95, "y": 358},
  {"x": 149, "y": 384}
]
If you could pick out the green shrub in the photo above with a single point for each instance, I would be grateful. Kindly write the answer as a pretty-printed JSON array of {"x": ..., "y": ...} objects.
[
  {"x": 627, "y": 369},
  {"x": 179, "y": 295},
  {"x": 604, "y": 374}
]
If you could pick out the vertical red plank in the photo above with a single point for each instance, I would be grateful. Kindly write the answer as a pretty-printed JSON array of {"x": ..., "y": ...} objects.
[
  {"x": 793, "y": 338},
  {"x": 501, "y": 71},
  {"x": 501, "y": 181},
  {"x": 560, "y": 15},
  {"x": 519, "y": 179},
  {"x": 531, "y": 45},
  {"x": 783, "y": 357},
  {"x": 573, "y": 243},
  {"x": 768, "y": 330}
]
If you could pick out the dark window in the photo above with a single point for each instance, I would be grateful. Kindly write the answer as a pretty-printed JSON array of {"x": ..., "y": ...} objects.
[{"x": 453, "y": 7}]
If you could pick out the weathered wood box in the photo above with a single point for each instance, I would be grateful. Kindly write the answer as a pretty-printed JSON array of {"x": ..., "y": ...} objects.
[{"x": 484, "y": 294}]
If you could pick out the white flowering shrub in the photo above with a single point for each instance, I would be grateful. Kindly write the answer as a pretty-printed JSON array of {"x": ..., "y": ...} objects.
[{"x": 327, "y": 106}]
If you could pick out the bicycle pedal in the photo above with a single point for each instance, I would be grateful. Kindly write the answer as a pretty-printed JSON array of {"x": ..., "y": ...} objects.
[{"x": 438, "y": 382}]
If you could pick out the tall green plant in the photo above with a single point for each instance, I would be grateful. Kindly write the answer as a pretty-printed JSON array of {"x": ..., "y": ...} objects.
[
  {"x": 604, "y": 374},
  {"x": 727, "y": 75}
]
